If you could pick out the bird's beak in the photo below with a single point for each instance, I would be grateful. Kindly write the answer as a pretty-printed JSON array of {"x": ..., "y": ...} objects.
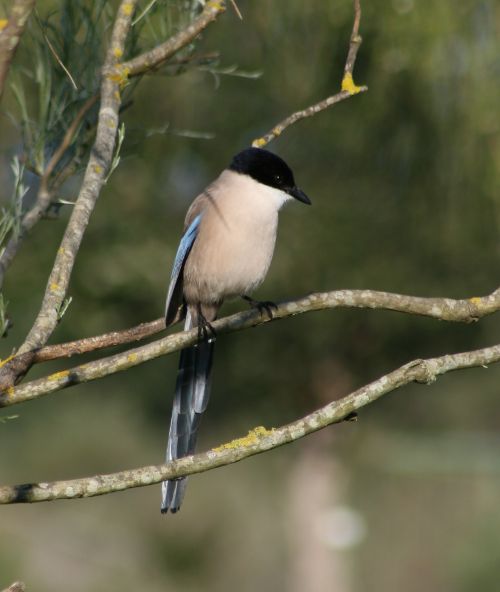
[{"x": 299, "y": 194}]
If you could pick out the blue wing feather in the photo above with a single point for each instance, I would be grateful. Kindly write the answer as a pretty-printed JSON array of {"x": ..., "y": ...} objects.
[{"x": 180, "y": 258}]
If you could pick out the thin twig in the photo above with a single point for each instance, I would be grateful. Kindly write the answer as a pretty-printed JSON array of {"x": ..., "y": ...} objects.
[
  {"x": 58, "y": 60},
  {"x": 89, "y": 344},
  {"x": 67, "y": 139},
  {"x": 355, "y": 41},
  {"x": 44, "y": 195},
  {"x": 144, "y": 12},
  {"x": 237, "y": 10},
  {"x": 10, "y": 35},
  {"x": 258, "y": 440},
  {"x": 348, "y": 88},
  {"x": 158, "y": 55},
  {"x": 443, "y": 309}
]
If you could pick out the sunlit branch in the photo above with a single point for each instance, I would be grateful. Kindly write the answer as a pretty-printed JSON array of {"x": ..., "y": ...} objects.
[
  {"x": 154, "y": 58},
  {"x": 258, "y": 440},
  {"x": 348, "y": 88},
  {"x": 89, "y": 344},
  {"x": 439, "y": 308}
]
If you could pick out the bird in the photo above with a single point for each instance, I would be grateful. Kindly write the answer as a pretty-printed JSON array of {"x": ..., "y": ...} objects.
[{"x": 225, "y": 252}]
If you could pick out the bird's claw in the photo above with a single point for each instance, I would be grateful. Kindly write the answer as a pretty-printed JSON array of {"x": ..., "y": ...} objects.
[
  {"x": 262, "y": 306},
  {"x": 205, "y": 330}
]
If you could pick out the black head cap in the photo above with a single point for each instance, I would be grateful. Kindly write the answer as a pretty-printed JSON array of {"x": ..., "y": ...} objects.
[{"x": 268, "y": 169}]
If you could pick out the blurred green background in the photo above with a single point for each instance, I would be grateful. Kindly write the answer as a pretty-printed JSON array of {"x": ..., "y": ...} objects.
[{"x": 405, "y": 188}]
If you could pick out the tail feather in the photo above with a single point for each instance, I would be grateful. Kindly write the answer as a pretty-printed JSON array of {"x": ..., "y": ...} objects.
[
  {"x": 203, "y": 365},
  {"x": 192, "y": 392}
]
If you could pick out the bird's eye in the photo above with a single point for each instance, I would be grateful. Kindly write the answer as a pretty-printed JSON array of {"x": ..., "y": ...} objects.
[{"x": 277, "y": 178}]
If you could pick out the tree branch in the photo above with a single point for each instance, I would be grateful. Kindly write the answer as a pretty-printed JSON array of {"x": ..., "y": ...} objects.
[
  {"x": 95, "y": 175},
  {"x": 15, "y": 587},
  {"x": 156, "y": 57},
  {"x": 348, "y": 88},
  {"x": 89, "y": 344},
  {"x": 10, "y": 35},
  {"x": 354, "y": 42},
  {"x": 258, "y": 440},
  {"x": 439, "y": 308}
]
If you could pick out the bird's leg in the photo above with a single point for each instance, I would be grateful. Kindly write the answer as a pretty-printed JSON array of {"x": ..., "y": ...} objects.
[
  {"x": 205, "y": 330},
  {"x": 261, "y": 305}
]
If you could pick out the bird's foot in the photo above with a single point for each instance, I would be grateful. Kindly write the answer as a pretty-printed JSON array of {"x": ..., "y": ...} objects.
[
  {"x": 205, "y": 330},
  {"x": 262, "y": 305}
]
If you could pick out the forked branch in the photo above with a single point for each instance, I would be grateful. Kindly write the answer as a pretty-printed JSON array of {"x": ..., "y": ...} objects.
[
  {"x": 439, "y": 308},
  {"x": 157, "y": 56},
  {"x": 348, "y": 88}
]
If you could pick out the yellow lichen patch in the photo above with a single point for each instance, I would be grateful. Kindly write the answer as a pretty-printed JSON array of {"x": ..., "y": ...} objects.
[
  {"x": 3, "y": 362},
  {"x": 120, "y": 75},
  {"x": 348, "y": 84},
  {"x": 61, "y": 251},
  {"x": 259, "y": 142},
  {"x": 117, "y": 52},
  {"x": 97, "y": 169},
  {"x": 10, "y": 391},
  {"x": 132, "y": 358},
  {"x": 261, "y": 431},
  {"x": 250, "y": 439},
  {"x": 216, "y": 4},
  {"x": 3, "y": 23},
  {"x": 58, "y": 375},
  {"x": 54, "y": 287},
  {"x": 475, "y": 300},
  {"x": 128, "y": 8}
]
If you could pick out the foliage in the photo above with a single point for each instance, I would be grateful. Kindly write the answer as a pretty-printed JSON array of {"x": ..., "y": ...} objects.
[{"x": 404, "y": 184}]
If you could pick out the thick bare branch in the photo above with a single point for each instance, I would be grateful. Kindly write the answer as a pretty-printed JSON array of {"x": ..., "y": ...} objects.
[
  {"x": 439, "y": 308},
  {"x": 462, "y": 311},
  {"x": 258, "y": 440},
  {"x": 10, "y": 34},
  {"x": 348, "y": 88},
  {"x": 95, "y": 174},
  {"x": 157, "y": 56}
]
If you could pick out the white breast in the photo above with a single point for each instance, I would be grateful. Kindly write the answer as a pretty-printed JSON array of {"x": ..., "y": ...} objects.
[{"x": 235, "y": 243}]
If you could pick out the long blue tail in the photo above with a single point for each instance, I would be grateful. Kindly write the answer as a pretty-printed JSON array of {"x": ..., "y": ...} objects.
[{"x": 192, "y": 391}]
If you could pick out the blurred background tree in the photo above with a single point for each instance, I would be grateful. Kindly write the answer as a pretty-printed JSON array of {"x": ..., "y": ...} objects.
[{"x": 404, "y": 182}]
